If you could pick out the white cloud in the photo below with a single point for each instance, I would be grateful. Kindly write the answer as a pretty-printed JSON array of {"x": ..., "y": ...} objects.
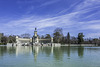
[
  {"x": 96, "y": 26},
  {"x": 93, "y": 35},
  {"x": 49, "y": 3},
  {"x": 68, "y": 21},
  {"x": 88, "y": 4},
  {"x": 90, "y": 25}
]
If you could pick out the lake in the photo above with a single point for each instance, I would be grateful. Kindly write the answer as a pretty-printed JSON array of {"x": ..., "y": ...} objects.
[{"x": 27, "y": 56}]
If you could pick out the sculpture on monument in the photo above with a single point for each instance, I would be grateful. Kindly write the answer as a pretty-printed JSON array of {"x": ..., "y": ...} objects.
[
  {"x": 35, "y": 40},
  {"x": 35, "y": 37}
]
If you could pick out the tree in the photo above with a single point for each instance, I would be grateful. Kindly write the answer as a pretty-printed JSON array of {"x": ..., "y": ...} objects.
[
  {"x": 4, "y": 39},
  {"x": 42, "y": 37},
  {"x": 57, "y": 35},
  {"x": 38, "y": 36},
  {"x": 47, "y": 36},
  {"x": 68, "y": 38},
  {"x": 95, "y": 41},
  {"x": 73, "y": 40},
  {"x": 26, "y": 35},
  {"x": 80, "y": 38},
  {"x": 12, "y": 39},
  {"x": 63, "y": 40}
]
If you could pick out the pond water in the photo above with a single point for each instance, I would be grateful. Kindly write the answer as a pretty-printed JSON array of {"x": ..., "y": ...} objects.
[{"x": 26, "y": 56}]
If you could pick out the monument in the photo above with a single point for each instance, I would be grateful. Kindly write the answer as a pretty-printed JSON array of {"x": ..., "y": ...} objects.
[
  {"x": 35, "y": 37},
  {"x": 35, "y": 40}
]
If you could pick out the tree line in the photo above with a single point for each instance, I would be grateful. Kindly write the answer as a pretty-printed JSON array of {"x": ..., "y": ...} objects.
[
  {"x": 8, "y": 39},
  {"x": 58, "y": 37}
]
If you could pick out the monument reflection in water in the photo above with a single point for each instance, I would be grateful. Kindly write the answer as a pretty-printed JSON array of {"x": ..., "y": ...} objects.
[{"x": 49, "y": 56}]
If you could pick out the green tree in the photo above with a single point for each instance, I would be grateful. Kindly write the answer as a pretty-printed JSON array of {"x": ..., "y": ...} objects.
[
  {"x": 4, "y": 39},
  {"x": 42, "y": 37},
  {"x": 57, "y": 35},
  {"x": 68, "y": 38},
  {"x": 47, "y": 36},
  {"x": 63, "y": 40},
  {"x": 26, "y": 35},
  {"x": 80, "y": 38},
  {"x": 74, "y": 40},
  {"x": 95, "y": 41},
  {"x": 12, "y": 39}
]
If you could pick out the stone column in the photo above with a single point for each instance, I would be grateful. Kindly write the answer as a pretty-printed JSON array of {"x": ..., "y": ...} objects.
[
  {"x": 51, "y": 39},
  {"x": 16, "y": 39}
]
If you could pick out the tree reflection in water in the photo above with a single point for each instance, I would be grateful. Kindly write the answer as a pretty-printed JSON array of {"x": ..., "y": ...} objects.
[
  {"x": 80, "y": 51},
  {"x": 56, "y": 52}
]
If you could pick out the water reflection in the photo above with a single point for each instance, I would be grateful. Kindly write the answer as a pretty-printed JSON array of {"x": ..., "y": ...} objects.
[
  {"x": 68, "y": 51},
  {"x": 35, "y": 51},
  {"x": 11, "y": 50},
  {"x": 3, "y": 50},
  {"x": 48, "y": 51},
  {"x": 23, "y": 50},
  {"x": 57, "y": 53},
  {"x": 80, "y": 51}
]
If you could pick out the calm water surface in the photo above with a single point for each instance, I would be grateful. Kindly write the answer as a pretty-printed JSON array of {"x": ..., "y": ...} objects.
[{"x": 26, "y": 56}]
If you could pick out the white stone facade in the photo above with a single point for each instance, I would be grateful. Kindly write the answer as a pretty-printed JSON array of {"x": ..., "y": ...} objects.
[{"x": 32, "y": 41}]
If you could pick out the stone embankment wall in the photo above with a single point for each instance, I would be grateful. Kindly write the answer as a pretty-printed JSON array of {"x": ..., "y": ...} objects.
[
  {"x": 11, "y": 44},
  {"x": 79, "y": 44},
  {"x": 53, "y": 44}
]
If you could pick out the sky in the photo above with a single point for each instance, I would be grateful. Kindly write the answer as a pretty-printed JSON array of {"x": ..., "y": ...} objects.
[{"x": 74, "y": 16}]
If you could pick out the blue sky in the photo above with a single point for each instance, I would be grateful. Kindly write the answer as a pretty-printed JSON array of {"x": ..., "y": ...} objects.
[{"x": 74, "y": 16}]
